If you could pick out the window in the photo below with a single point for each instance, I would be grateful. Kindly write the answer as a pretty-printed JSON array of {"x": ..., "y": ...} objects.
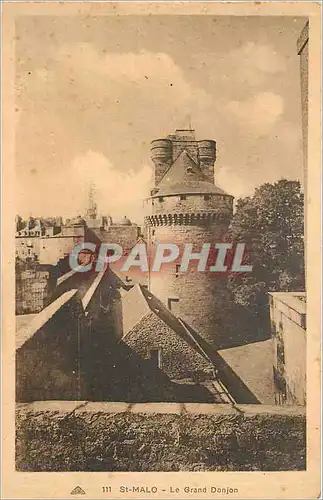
[
  {"x": 153, "y": 232},
  {"x": 207, "y": 197},
  {"x": 161, "y": 198},
  {"x": 172, "y": 301},
  {"x": 178, "y": 267},
  {"x": 182, "y": 197},
  {"x": 156, "y": 357}
]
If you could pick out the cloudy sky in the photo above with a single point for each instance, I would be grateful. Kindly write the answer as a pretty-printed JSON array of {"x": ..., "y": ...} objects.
[{"x": 92, "y": 93}]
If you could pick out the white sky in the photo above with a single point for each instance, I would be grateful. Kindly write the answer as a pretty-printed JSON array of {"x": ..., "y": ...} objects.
[{"x": 93, "y": 92}]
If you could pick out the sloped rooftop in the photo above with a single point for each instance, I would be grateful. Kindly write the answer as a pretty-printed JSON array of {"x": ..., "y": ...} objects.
[
  {"x": 184, "y": 176},
  {"x": 245, "y": 371},
  {"x": 138, "y": 301}
]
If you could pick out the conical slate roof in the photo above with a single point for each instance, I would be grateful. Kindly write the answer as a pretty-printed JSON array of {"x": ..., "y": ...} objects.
[{"x": 184, "y": 176}]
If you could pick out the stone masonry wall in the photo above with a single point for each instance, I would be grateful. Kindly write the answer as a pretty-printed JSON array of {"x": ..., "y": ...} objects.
[
  {"x": 203, "y": 296},
  {"x": 82, "y": 436},
  {"x": 179, "y": 360},
  {"x": 49, "y": 360},
  {"x": 193, "y": 204}
]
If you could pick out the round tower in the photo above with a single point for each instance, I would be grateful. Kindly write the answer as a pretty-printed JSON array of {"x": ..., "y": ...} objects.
[
  {"x": 161, "y": 155},
  {"x": 207, "y": 157},
  {"x": 188, "y": 208}
]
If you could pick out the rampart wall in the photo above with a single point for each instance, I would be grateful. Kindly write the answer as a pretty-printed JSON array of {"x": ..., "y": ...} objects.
[{"x": 85, "y": 436}]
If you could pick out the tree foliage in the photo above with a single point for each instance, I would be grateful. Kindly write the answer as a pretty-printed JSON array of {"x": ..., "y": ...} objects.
[{"x": 271, "y": 223}]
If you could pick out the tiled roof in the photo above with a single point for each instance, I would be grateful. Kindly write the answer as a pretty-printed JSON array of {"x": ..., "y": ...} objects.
[{"x": 185, "y": 176}]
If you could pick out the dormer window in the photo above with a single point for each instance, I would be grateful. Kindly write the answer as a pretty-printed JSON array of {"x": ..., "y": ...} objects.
[{"x": 189, "y": 170}]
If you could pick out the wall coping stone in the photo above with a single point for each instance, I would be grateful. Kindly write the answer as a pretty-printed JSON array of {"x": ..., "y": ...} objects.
[
  {"x": 158, "y": 408},
  {"x": 173, "y": 408},
  {"x": 91, "y": 291},
  {"x": 51, "y": 406},
  {"x": 65, "y": 277},
  {"x": 208, "y": 408},
  {"x": 105, "y": 407}
]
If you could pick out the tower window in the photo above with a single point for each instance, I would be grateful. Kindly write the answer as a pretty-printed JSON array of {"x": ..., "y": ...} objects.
[
  {"x": 161, "y": 198},
  {"x": 171, "y": 303},
  {"x": 156, "y": 357},
  {"x": 182, "y": 197},
  {"x": 207, "y": 197}
]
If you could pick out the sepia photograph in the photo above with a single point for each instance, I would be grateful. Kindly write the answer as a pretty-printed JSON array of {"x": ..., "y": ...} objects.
[{"x": 160, "y": 246}]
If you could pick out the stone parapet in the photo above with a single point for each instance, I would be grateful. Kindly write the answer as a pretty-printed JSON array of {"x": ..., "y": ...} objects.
[
  {"x": 171, "y": 219},
  {"x": 116, "y": 436}
]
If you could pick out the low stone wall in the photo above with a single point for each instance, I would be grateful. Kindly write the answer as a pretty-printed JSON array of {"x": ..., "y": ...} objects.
[
  {"x": 50, "y": 352},
  {"x": 54, "y": 351},
  {"x": 90, "y": 436}
]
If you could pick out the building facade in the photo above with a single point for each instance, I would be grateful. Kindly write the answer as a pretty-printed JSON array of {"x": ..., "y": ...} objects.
[
  {"x": 288, "y": 327},
  {"x": 34, "y": 288},
  {"x": 186, "y": 206}
]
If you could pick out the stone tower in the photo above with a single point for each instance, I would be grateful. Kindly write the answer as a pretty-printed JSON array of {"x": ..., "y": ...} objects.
[{"x": 187, "y": 207}]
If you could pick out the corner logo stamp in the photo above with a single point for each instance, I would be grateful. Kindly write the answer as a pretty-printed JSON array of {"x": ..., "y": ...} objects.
[{"x": 78, "y": 491}]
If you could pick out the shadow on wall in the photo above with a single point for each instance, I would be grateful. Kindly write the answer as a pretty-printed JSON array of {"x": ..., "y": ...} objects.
[
  {"x": 235, "y": 386},
  {"x": 66, "y": 355},
  {"x": 49, "y": 353},
  {"x": 74, "y": 353},
  {"x": 117, "y": 373},
  {"x": 240, "y": 327}
]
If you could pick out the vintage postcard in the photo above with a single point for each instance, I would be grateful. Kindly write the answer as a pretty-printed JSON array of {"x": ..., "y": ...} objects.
[{"x": 161, "y": 237}]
